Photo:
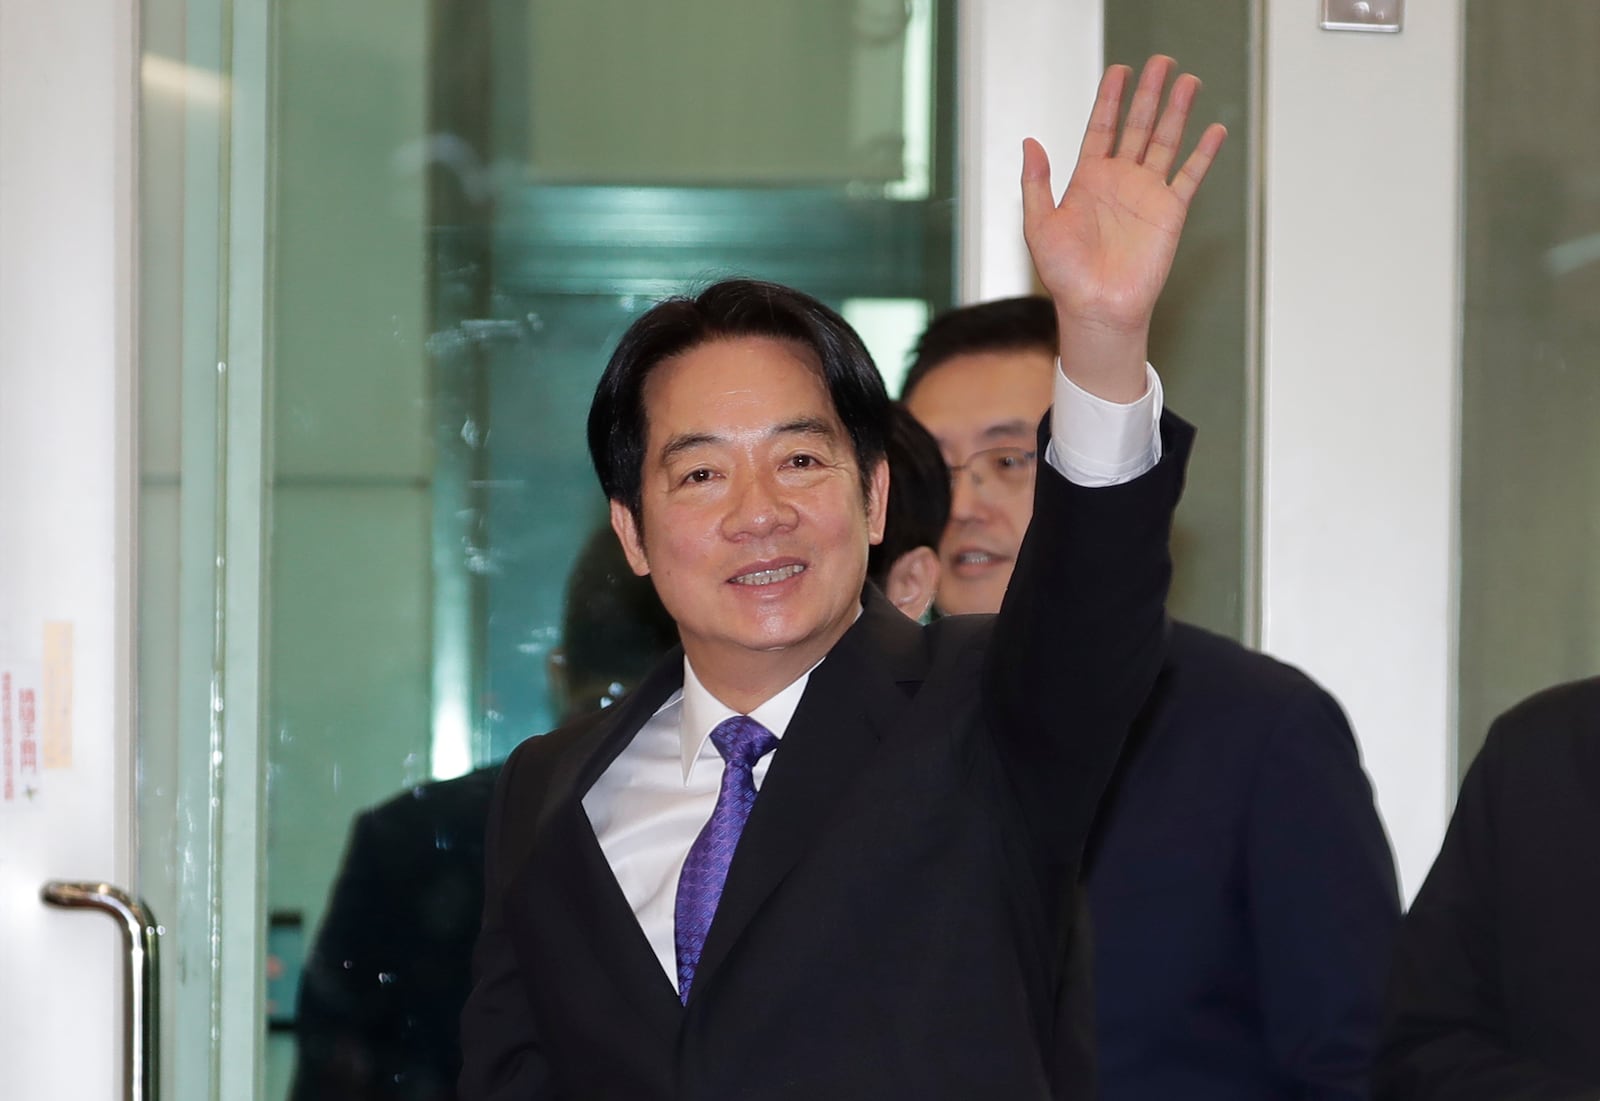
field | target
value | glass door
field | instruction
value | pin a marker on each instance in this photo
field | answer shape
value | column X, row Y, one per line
column 1530, row 363
column 385, row 249
column 201, row 272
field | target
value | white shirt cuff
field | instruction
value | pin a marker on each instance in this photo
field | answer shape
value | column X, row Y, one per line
column 1094, row 442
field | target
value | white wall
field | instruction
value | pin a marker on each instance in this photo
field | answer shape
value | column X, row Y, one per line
column 66, row 248
column 1359, row 390
column 1027, row 68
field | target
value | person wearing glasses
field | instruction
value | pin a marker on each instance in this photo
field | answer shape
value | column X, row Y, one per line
column 1240, row 885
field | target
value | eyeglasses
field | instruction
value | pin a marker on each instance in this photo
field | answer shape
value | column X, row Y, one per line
column 1007, row 469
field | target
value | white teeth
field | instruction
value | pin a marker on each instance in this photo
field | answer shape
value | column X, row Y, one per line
column 769, row 577
column 975, row 558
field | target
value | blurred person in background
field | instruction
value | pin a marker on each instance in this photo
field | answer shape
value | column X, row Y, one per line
column 1495, row 992
column 905, row 566
column 380, row 999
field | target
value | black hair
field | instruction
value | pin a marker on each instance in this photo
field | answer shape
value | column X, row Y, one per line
column 732, row 308
column 919, row 495
column 1004, row 325
column 613, row 625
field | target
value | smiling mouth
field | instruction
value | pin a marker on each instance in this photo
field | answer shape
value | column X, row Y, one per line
column 770, row 577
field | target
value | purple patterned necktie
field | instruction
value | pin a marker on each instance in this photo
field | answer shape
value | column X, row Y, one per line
column 742, row 742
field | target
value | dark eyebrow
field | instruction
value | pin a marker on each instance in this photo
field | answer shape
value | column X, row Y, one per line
column 799, row 426
column 686, row 441
column 805, row 426
column 1008, row 428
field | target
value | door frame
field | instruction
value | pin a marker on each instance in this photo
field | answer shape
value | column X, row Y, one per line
column 204, row 119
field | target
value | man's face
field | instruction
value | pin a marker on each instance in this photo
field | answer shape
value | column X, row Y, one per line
column 752, row 523
column 972, row 403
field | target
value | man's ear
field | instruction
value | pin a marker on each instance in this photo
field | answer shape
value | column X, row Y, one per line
column 632, row 540
column 912, row 581
column 877, row 501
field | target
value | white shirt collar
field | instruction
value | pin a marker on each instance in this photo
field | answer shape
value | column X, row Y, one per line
column 702, row 712
column 699, row 711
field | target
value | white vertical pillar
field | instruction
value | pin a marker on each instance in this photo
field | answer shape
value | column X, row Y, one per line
column 1026, row 68
column 1359, row 387
column 67, row 216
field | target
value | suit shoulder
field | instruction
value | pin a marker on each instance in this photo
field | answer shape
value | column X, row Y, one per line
column 438, row 798
column 534, row 756
column 958, row 631
column 1548, row 728
column 421, row 815
column 1573, row 708
column 1212, row 667
column 519, row 796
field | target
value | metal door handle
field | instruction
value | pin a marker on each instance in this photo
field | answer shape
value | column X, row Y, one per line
column 140, row 1003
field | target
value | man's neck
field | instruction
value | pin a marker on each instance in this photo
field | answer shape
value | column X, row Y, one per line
column 745, row 683
column 744, row 679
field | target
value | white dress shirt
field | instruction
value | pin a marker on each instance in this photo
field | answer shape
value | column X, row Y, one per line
column 652, row 800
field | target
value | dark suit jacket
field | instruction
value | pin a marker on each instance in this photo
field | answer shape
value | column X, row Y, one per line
column 892, row 923
column 1495, row 994
column 381, row 995
column 1242, row 889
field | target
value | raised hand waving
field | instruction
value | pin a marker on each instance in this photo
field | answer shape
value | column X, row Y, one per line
column 1104, row 251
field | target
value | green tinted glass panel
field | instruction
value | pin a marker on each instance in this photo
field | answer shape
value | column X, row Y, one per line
column 1200, row 340
column 1530, row 358
column 470, row 202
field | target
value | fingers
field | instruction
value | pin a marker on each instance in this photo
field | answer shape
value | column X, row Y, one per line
column 1102, row 130
column 1142, row 112
column 1037, row 199
column 1162, row 152
column 1194, row 170
column 1151, row 135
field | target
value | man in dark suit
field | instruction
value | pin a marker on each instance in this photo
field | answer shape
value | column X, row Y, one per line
column 1495, row 994
column 1242, row 891
column 381, row 996
column 380, row 999
column 826, row 852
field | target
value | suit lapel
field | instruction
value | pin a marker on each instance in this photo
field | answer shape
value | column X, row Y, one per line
column 576, row 867
column 851, row 702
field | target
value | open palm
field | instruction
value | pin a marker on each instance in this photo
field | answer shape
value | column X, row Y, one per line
column 1104, row 251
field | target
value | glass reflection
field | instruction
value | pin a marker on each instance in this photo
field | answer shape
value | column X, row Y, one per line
column 1200, row 337
column 1530, row 398
column 390, row 969
column 471, row 201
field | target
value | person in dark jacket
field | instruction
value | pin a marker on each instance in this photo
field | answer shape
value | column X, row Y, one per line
column 379, row 1007
column 826, row 852
column 1495, row 992
column 1241, row 887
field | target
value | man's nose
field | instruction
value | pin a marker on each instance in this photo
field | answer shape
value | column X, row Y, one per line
column 759, row 506
column 966, row 495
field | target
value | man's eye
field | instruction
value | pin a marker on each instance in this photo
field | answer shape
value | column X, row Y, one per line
column 802, row 462
column 697, row 477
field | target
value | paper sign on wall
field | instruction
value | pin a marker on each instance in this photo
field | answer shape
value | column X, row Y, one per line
column 56, row 670
column 35, row 715
column 20, row 778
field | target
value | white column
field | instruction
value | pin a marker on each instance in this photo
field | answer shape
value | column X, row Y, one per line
column 1027, row 68
column 1359, row 387
column 67, row 117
